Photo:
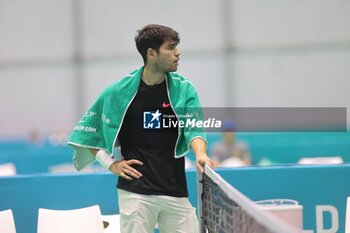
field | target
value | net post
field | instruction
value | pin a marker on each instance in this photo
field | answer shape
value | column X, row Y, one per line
column 199, row 199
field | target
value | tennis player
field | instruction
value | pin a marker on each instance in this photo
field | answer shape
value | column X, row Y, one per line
column 152, row 185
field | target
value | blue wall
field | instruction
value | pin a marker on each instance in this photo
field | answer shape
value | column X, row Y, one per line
column 310, row 185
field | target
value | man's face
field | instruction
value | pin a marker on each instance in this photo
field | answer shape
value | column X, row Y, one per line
column 168, row 57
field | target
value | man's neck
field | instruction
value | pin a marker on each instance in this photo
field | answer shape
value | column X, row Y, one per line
column 152, row 77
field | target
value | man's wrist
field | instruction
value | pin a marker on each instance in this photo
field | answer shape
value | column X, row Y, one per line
column 201, row 154
column 104, row 159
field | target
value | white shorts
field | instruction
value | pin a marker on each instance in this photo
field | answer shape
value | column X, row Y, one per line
column 140, row 213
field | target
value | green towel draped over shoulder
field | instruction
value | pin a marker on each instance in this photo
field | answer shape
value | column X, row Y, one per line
column 100, row 125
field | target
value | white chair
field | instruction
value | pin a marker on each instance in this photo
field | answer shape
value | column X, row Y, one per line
column 70, row 168
column 7, row 223
column 321, row 160
column 84, row 220
column 347, row 216
column 232, row 162
column 7, row 169
column 113, row 223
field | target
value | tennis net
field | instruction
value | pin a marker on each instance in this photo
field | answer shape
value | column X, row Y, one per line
column 223, row 209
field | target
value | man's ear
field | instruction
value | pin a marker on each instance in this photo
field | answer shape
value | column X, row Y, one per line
column 151, row 54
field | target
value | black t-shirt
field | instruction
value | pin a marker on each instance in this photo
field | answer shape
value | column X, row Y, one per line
column 162, row 174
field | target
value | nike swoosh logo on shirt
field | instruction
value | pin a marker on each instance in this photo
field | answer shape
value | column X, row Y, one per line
column 165, row 105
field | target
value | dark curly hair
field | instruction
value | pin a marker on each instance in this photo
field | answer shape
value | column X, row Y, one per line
column 153, row 36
